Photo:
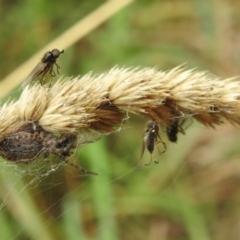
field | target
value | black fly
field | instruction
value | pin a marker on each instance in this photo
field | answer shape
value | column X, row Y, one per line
column 174, row 128
column 46, row 65
column 172, row 131
column 151, row 138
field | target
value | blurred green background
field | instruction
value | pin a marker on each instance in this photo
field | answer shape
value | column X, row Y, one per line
column 193, row 193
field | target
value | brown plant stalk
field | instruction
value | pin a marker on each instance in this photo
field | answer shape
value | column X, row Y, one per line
column 99, row 102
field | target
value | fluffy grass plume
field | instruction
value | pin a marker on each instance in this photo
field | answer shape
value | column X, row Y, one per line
column 100, row 102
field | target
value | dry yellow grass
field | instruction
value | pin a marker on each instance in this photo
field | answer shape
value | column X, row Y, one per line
column 100, row 102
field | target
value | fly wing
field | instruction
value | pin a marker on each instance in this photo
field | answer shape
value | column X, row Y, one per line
column 39, row 69
column 143, row 149
column 88, row 137
column 145, row 143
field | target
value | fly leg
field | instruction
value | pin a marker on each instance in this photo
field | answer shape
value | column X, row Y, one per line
column 44, row 73
column 58, row 67
column 81, row 169
column 161, row 152
column 147, row 164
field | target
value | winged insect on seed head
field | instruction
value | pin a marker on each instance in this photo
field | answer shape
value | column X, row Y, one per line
column 152, row 138
column 172, row 131
column 174, row 128
column 44, row 66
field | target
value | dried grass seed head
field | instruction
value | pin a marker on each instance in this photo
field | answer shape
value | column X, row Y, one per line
column 98, row 101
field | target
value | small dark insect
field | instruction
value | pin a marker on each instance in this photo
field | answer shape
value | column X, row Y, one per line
column 152, row 138
column 172, row 131
column 174, row 128
column 46, row 65
column 31, row 140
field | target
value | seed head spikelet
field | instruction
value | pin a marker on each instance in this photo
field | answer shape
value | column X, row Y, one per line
column 32, row 103
column 8, row 119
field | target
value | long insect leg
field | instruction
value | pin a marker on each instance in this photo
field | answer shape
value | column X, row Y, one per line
column 181, row 129
column 159, row 140
column 51, row 72
column 160, row 153
column 81, row 169
column 157, row 161
column 147, row 164
column 58, row 67
column 25, row 161
column 165, row 147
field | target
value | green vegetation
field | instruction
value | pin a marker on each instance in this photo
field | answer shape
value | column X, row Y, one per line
column 193, row 193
